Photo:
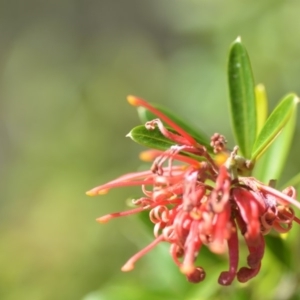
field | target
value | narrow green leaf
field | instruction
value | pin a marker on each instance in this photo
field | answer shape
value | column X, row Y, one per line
column 277, row 152
column 155, row 140
column 145, row 116
column 242, row 98
column 261, row 107
column 274, row 124
column 150, row 138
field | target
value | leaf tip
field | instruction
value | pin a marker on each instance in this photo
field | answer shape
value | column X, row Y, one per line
column 238, row 39
column 129, row 135
column 295, row 98
column 260, row 87
column 140, row 109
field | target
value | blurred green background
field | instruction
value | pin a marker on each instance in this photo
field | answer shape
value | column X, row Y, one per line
column 66, row 68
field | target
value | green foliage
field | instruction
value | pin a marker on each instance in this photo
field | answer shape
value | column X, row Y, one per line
column 256, row 134
column 152, row 139
column 274, row 124
column 261, row 106
column 278, row 152
column 145, row 116
column 242, row 97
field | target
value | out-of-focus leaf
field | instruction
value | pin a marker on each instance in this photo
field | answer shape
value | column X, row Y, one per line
column 274, row 124
column 209, row 288
column 242, row 97
column 144, row 217
column 278, row 247
column 295, row 181
column 128, row 291
column 277, row 152
column 145, row 116
column 261, row 107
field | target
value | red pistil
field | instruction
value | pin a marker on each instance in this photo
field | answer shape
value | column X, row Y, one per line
column 129, row 265
column 245, row 274
column 227, row 277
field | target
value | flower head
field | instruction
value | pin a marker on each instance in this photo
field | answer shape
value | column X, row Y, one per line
column 203, row 200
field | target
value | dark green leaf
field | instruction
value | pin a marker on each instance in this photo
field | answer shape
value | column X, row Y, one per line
column 155, row 140
column 242, row 98
column 144, row 217
column 150, row 138
column 145, row 116
column 274, row 124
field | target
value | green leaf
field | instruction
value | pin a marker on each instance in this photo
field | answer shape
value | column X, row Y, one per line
column 144, row 218
column 294, row 181
column 261, row 107
column 128, row 291
column 278, row 247
column 277, row 152
column 150, row 138
column 145, row 116
column 155, row 140
column 274, row 124
column 242, row 98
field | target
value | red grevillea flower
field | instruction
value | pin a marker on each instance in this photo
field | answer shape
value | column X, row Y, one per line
column 205, row 202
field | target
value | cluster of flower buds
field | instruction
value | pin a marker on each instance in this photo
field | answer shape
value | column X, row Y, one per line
column 204, row 199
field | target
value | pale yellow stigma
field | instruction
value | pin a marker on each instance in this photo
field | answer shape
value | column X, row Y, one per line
column 146, row 156
column 95, row 192
column 104, row 219
column 127, row 267
column 103, row 192
column 91, row 193
column 187, row 269
column 221, row 158
column 132, row 100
